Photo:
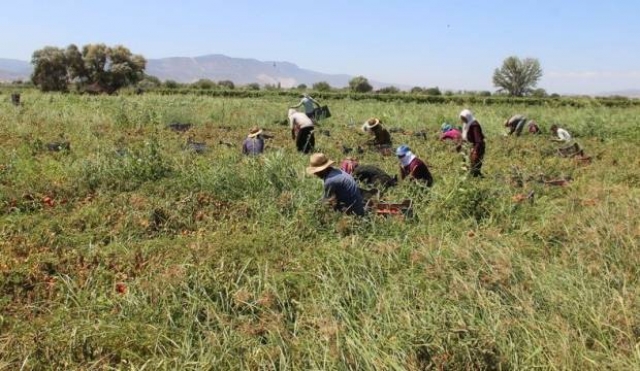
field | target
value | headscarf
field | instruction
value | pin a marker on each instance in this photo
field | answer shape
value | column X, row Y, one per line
column 406, row 160
column 445, row 127
column 348, row 165
column 407, row 155
column 468, row 115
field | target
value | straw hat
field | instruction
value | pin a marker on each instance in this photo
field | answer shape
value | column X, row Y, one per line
column 370, row 124
column 317, row 163
column 254, row 132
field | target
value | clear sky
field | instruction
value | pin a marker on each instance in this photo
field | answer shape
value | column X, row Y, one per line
column 585, row 47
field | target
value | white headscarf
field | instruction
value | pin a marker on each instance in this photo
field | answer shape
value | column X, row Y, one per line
column 468, row 115
column 406, row 160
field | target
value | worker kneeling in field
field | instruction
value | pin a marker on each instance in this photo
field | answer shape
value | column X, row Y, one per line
column 253, row 145
column 448, row 132
column 302, row 131
column 517, row 123
column 472, row 133
column 368, row 174
column 340, row 189
column 412, row 167
column 571, row 148
column 381, row 137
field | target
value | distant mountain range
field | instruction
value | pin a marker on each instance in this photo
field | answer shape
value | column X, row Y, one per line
column 13, row 69
column 215, row 67
column 630, row 93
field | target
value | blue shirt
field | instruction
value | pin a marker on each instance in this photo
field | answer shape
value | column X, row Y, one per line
column 253, row 146
column 342, row 185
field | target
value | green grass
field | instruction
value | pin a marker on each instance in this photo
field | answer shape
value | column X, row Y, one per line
column 157, row 258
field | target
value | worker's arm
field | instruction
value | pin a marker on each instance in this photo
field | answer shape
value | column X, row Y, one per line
column 296, row 106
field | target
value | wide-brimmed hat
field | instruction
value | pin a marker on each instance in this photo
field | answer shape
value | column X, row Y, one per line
column 254, row 132
column 403, row 150
column 317, row 163
column 370, row 124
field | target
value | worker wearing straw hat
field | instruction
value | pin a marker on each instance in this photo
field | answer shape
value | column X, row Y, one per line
column 340, row 189
column 381, row 136
column 253, row 145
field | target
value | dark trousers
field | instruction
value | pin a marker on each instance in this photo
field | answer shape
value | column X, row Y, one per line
column 305, row 140
column 476, row 161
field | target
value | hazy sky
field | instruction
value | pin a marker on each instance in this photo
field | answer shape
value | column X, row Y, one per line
column 584, row 46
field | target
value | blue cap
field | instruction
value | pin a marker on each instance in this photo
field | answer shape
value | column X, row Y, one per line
column 402, row 150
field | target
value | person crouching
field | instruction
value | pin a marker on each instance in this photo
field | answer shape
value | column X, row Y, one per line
column 412, row 167
column 340, row 189
column 253, row 145
column 381, row 137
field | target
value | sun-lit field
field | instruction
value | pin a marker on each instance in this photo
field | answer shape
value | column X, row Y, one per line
column 130, row 251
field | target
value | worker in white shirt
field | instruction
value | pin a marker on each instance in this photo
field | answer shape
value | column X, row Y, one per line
column 302, row 131
column 561, row 134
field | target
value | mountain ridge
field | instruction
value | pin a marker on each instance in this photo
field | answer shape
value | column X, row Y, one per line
column 216, row 67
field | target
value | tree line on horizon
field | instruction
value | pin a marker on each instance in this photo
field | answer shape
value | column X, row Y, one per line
column 98, row 68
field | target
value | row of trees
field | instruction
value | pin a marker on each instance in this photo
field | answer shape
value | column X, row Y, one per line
column 95, row 68
column 100, row 68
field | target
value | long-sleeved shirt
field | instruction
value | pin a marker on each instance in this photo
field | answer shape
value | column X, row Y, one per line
column 308, row 103
column 516, row 124
column 381, row 138
column 344, row 188
column 299, row 120
column 475, row 136
column 453, row 134
column 253, row 146
column 417, row 170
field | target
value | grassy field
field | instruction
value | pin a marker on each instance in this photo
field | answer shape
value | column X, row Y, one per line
column 130, row 252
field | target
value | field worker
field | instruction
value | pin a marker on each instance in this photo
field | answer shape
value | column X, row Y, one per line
column 412, row 167
column 302, row 131
column 448, row 132
column 309, row 106
column 340, row 189
column 349, row 164
column 561, row 134
column 533, row 127
column 516, row 124
column 253, row 145
column 368, row 174
column 472, row 133
column 381, row 137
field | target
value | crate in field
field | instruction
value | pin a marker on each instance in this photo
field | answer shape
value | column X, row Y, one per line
column 570, row 151
column 402, row 209
column 322, row 113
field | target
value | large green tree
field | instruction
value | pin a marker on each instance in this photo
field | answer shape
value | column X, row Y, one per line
column 517, row 76
column 97, row 67
column 50, row 69
column 360, row 84
column 321, row 86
